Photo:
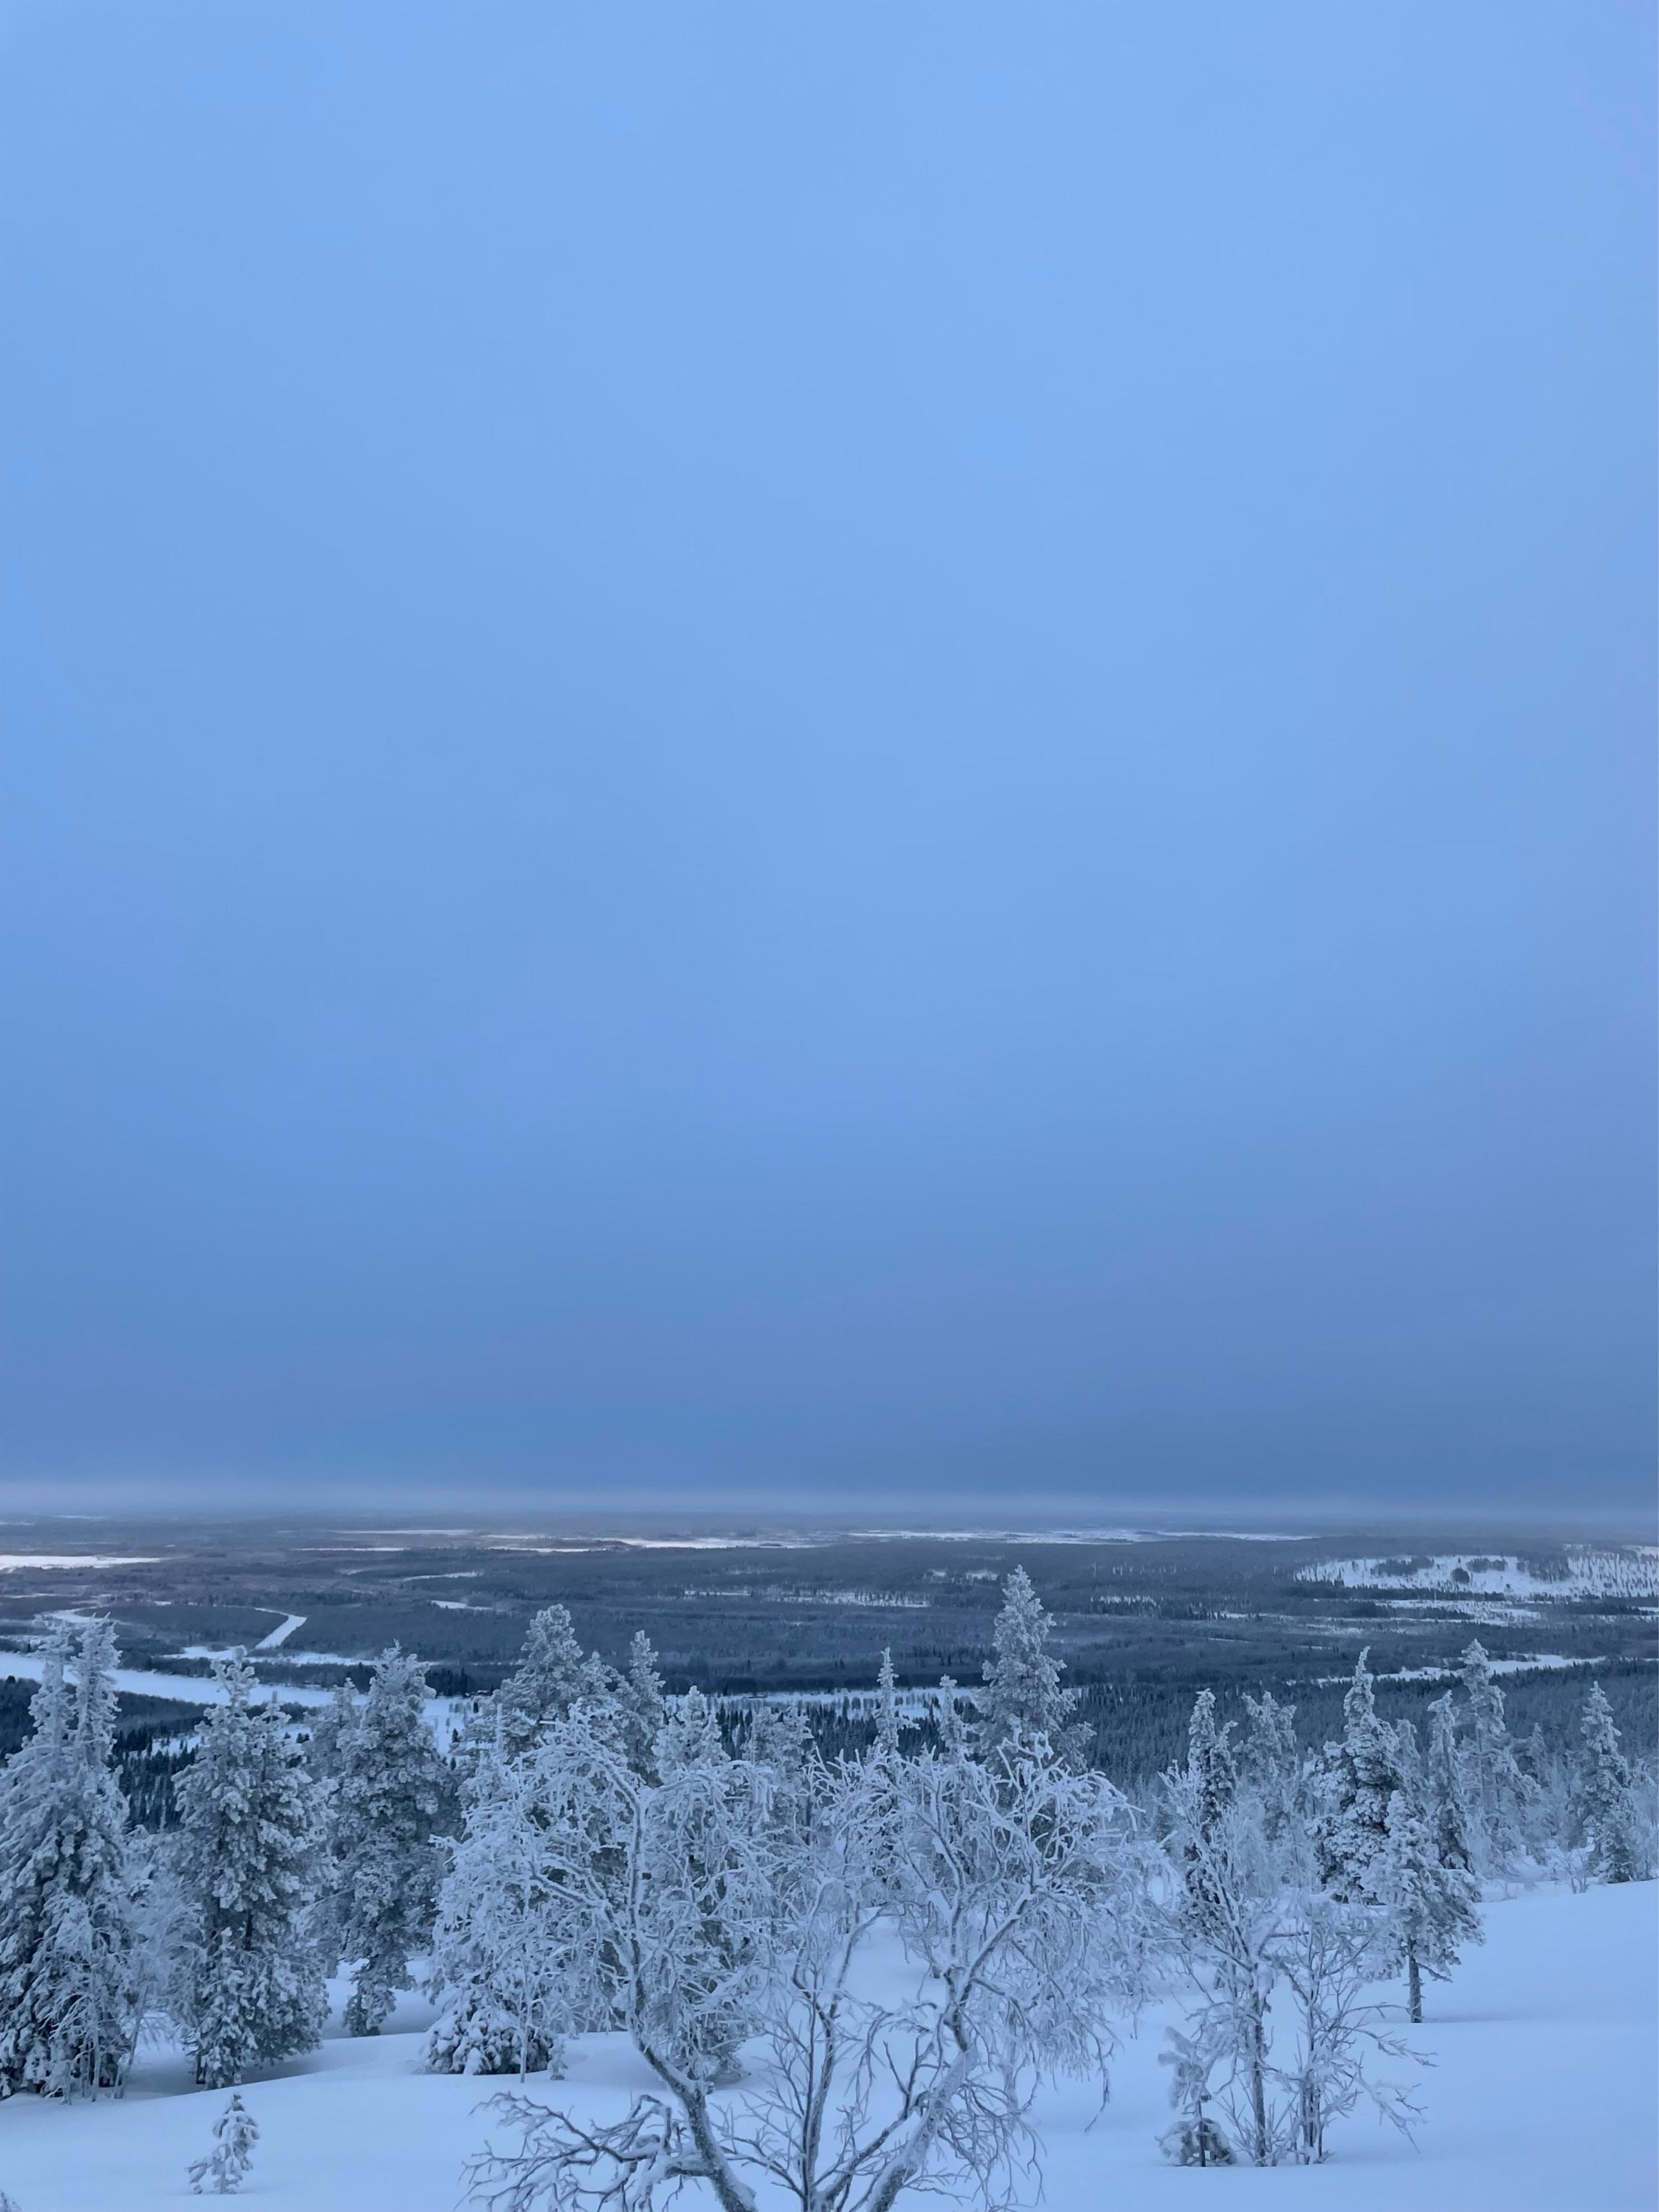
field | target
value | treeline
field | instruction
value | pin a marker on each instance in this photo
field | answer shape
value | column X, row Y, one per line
column 593, row 1853
column 1137, row 1725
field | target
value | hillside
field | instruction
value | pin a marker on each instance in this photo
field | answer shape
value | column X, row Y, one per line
column 1540, row 2100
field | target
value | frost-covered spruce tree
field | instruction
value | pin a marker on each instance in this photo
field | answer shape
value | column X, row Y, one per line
column 690, row 1736
column 1212, row 1787
column 496, row 1968
column 1430, row 1904
column 1022, row 1694
column 1270, row 1764
column 954, row 1729
column 1443, row 1804
column 1356, row 1778
column 781, row 1743
column 640, row 1707
column 1211, row 1765
column 889, row 1723
column 68, row 1974
column 1499, row 1798
column 885, row 1796
column 779, row 1737
column 701, row 1780
column 225, row 2167
column 329, row 1731
column 551, row 1677
column 249, row 1858
column 388, row 1799
column 1606, row 1806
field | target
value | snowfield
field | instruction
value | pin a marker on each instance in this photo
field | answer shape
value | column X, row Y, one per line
column 1632, row 1571
column 1543, row 2098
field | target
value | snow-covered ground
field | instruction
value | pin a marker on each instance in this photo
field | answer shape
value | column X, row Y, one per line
column 15, row 1562
column 1528, row 1662
column 1626, row 1571
column 281, row 1635
column 1543, row 2098
column 141, row 1682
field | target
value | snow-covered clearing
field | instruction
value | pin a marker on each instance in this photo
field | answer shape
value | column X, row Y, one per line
column 139, row 1682
column 1630, row 1570
column 281, row 1635
column 1543, row 2099
column 11, row 1562
column 1528, row 1662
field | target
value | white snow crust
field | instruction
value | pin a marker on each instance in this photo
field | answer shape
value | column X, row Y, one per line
column 1543, row 2098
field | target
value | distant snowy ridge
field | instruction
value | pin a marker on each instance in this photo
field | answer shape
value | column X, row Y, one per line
column 1628, row 1570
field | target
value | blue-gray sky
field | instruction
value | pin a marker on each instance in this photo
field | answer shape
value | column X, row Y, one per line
column 849, row 753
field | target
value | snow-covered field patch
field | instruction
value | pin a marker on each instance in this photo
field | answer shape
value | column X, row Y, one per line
column 885, row 1601
column 281, row 1635
column 1542, row 2098
column 1527, row 1662
column 1628, row 1571
column 140, row 1682
column 13, row 1562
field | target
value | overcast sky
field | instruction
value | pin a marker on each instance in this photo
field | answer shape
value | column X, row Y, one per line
column 855, row 753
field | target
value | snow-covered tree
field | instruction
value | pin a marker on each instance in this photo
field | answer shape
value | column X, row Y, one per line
column 224, row 2169
column 162, row 1923
column 1606, row 1805
column 495, row 1968
column 250, row 1849
column 1228, row 1918
column 1430, row 1903
column 1013, row 1919
column 551, row 1678
column 883, row 1796
column 954, row 1731
column 388, row 1799
column 640, row 1705
column 781, row 1743
column 1212, row 1786
column 1330, row 1956
column 1211, row 1765
column 1356, row 1779
column 324, row 1749
column 68, row 1974
column 889, row 1723
column 779, row 1737
column 707, row 1798
column 1444, row 1803
column 1195, row 2139
column 1279, row 2038
column 1499, row 1798
column 328, row 1734
column 329, row 1731
column 690, row 1736
column 1270, row 1764
column 1022, row 1694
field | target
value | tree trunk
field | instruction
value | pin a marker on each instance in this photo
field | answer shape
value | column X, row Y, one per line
column 1259, row 2083
column 1414, row 1981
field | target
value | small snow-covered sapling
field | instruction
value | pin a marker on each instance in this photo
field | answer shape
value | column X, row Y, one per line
column 222, row 2170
